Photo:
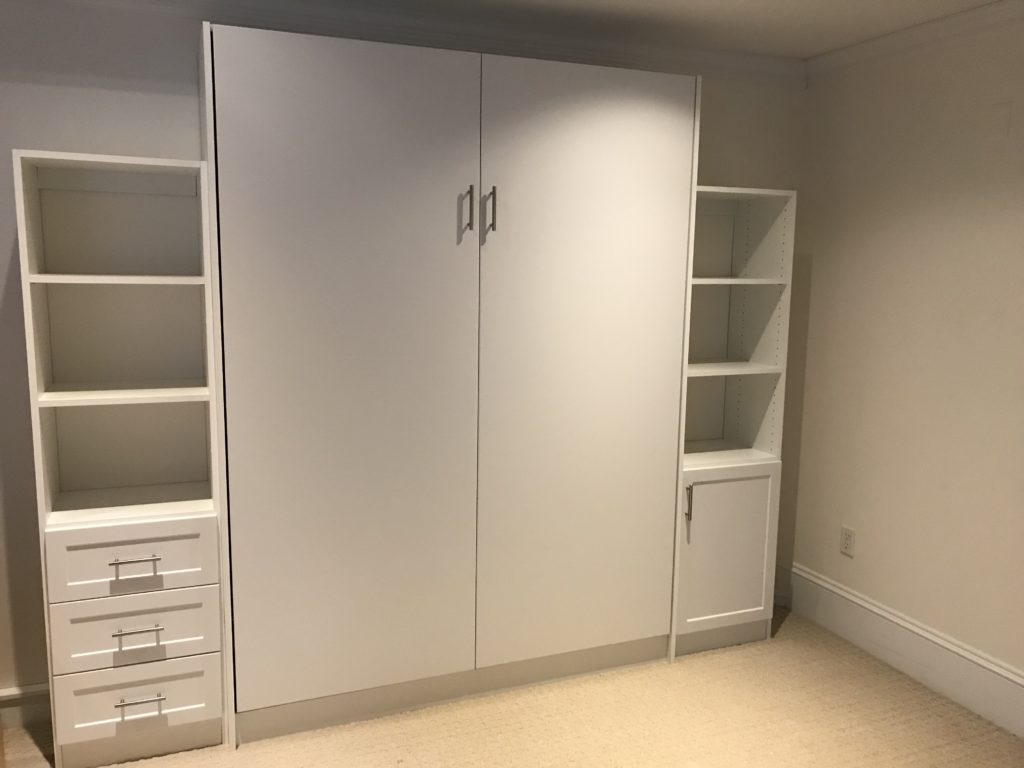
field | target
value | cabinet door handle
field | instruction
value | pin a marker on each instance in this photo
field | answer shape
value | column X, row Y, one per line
column 471, row 196
column 134, row 560
column 494, row 210
column 139, row 631
column 151, row 700
column 689, row 502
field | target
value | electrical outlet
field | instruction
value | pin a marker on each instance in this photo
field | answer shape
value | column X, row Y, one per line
column 847, row 538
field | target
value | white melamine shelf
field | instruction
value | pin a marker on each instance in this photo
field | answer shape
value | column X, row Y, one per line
column 117, row 279
column 739, row 281
column 88, row 395
column 108, row 506
column 706, row 454
column 695, row 370
column 741, row 193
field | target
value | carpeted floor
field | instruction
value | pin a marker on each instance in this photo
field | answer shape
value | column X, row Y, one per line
column 807, row 698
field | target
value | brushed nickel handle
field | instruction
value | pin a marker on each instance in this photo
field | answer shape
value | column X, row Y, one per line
column 139, row 631
column 151, row 700
column 689, row 502
column 133, row 560
column 471, row 196
column 493, row 226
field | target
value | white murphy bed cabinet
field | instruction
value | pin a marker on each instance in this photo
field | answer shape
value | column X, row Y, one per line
column 118, row 305
column 459, row 319
column 406, row 235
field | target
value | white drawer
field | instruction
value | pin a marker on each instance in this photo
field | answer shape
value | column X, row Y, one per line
column 143, row 556
column 117, row 631
column 141, row 698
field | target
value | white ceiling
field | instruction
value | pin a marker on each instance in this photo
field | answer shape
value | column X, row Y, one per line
column 793, row 28
column 798, row 29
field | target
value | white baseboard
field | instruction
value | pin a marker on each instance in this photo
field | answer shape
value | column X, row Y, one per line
column 975, row 680
column 26, row 704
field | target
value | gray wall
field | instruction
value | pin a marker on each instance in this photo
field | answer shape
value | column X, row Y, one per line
column 105, row 78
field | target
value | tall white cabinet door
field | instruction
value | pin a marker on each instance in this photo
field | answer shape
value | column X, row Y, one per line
column 350, row 301
column 582, row 301
column 727, row 547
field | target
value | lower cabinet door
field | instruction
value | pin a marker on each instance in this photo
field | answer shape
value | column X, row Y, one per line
column 727, row 547
column 148, row 698
column 118, row 631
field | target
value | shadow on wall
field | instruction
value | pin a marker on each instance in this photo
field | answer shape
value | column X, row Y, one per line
column 796, row 374
column 19, row 533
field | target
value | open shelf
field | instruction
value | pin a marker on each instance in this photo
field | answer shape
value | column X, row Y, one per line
column 743, row 234
column 117, row 279
column 140, row 394
column 705, row 454
column 99, row 337
column 730, row 368
column 112, row 218
column 739, row 281
column 125, row 456
column 106, row 506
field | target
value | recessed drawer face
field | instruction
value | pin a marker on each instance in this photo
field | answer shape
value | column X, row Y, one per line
column 102, row 561
column 118, row 631
column 137, row 699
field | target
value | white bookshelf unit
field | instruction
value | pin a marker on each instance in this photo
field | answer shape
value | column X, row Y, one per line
column 735, row 349
column 738, row 321
column 119, row 331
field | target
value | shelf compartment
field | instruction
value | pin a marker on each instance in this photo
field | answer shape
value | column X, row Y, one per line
column 123, row 337
column 743, row 233
column 98, row 457
column 734, row 413
column 70, row 396
column 739, row 322
column 116, row 218
column 730, row 368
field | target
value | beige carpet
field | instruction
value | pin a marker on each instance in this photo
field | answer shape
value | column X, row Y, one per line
column 807, row 698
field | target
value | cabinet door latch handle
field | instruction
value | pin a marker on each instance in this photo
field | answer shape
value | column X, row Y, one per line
column 471, row 196
column 689, row 502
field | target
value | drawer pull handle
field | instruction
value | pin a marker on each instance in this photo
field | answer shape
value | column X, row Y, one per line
column 133, row 560
column 151, row 700
column 139, row 631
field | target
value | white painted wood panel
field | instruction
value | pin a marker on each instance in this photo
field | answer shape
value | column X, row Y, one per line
column 727, row 547
column 120, row 702
column 130, row 557
column 350, row 302
column 131, row 629
column 582, row 302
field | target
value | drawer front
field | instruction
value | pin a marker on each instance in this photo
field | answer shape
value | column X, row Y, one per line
column 103, row 561
column 131, row 700
column 117, row 631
